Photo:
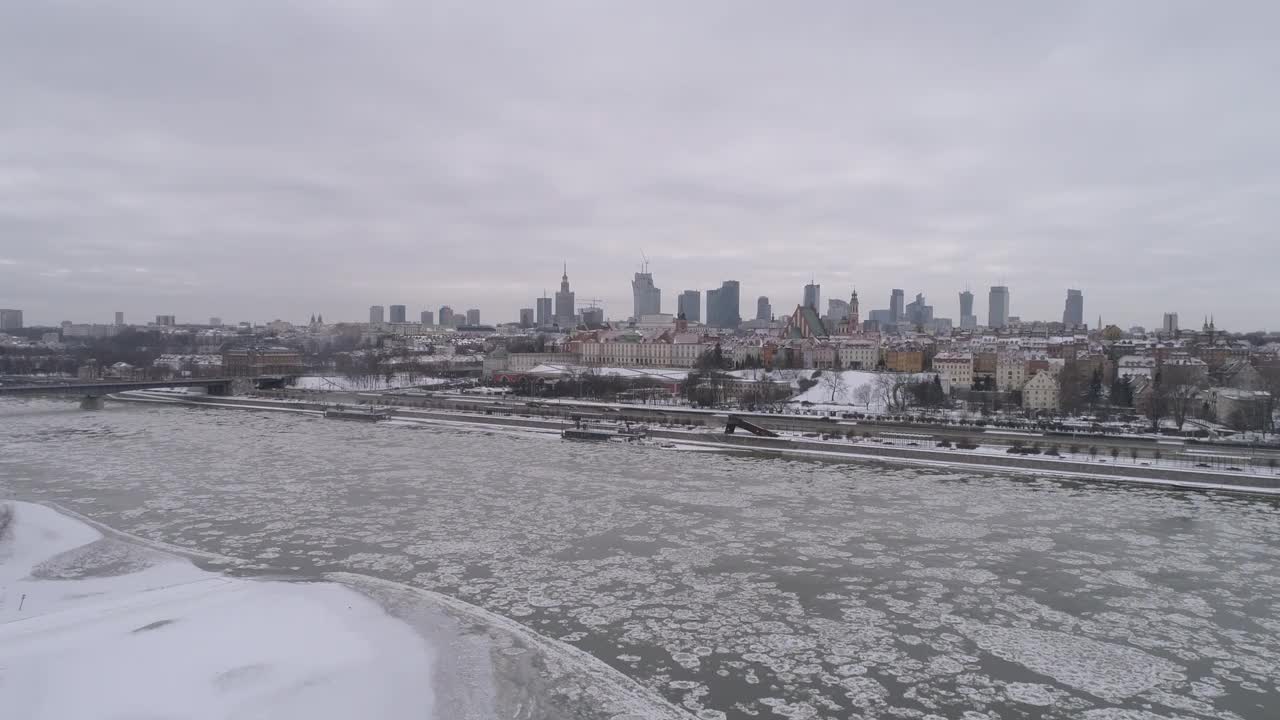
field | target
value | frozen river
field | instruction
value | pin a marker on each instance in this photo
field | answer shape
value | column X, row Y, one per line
column 733, row 587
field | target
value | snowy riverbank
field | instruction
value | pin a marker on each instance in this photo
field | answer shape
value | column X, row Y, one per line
column 91, row 626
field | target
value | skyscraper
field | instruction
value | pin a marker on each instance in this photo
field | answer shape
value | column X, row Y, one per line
column 689, row 304
column 764, row 311
column 1073, row 313
column 119, row 318
column 896, row 299
column 812, row 295
column 427, row 318
column 918, row 313
column 837, row 310
column 966, row 304
column 397, row 314
column 473, row 317
column 544, row 313
column 998, row 307
column 1170, row 324
column 375, row 313
column 446, row 316
column 10, row 319
column 564, row 302
column 722, row 306
column 526, row 317
column 647, row 298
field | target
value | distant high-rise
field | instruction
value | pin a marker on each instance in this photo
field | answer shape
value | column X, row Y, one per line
column 968, row 321
column 544, row 313
column 564, row 302
column 526, row 317
column 812, row 295
column 722, row 306
column 397, row 314
column 837, row 310
column 166, row 320
column 998, row 307
column 119, row 318
column 918, row 312
column 215, row 321
column 427, row 318
column 764, row 311
column 10, row 319
column 1073, row 313
column 1170, row 325
column 375, row 314
column 446, row 316
column 689, row 304
column 593, row 317
column 896, row 307
column 473, row 317
column 647, row 298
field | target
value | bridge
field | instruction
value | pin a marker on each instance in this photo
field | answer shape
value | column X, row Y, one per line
column 92, row 392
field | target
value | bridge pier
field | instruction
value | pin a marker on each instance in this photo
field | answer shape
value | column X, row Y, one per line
column 92, row 402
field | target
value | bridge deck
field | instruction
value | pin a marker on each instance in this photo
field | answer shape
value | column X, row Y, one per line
column 105, row 388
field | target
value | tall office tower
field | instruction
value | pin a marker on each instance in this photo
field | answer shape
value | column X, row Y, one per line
column 647, row 298
column 998, row 307
column 1170, row 324
column 375, row 314
column 473, row 317
column 722, row 306
column 446, row 316
column 689, row 304
column 215, row 321
column 167, row 320
column 1073, row 313
column 427, row 318
column 764, row 311
column 896, row 307
column 10, row 319
column 837, row 310
column 966, row 303
column 526, row 317
column 565, row 316
column 545, row 316
column 119, row 318
column 919, row 313
column 812, row 295
column 397, row 313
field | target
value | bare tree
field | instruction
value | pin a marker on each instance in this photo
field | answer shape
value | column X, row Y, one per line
column 862, row 394
column 1179, row 387
column 894, row 390
column 833, row 381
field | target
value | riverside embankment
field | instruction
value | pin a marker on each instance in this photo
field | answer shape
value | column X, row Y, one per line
column 708, row 434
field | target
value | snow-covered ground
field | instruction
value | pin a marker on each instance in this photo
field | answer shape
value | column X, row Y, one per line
column 339, row 383
column 856, row 388
column 94, row 627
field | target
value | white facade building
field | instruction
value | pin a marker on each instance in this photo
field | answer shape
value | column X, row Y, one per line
column 955, row 368
column 1041, row 392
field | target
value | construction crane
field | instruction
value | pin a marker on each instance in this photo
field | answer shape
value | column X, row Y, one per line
column 644, row 267
column 593, row 302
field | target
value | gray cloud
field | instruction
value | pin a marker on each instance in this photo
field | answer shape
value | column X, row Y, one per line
column 262, row 159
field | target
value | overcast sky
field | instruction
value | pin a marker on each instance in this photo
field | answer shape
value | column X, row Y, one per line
column 253, row 159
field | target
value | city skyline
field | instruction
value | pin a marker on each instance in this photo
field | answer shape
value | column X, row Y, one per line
column 1031, row 164
column 401, row 312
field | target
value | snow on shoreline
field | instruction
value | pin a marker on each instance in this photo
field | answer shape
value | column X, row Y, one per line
column 95, row 624
column 91, row 626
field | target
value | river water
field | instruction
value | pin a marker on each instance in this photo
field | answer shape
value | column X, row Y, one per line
column 733, row 587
